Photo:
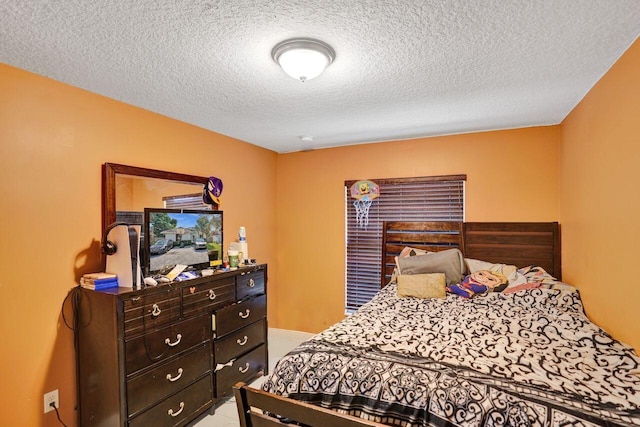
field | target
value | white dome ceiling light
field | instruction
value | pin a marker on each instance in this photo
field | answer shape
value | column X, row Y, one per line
column 303, row 58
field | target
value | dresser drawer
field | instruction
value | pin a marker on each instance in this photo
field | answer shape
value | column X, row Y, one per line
column 159, row 345
column 250, row 283
column 207, row 296
column 176, row 409
column 236, row 343
column 242, row 369
column 236, row 316
column 151, row 310
column 152, row 386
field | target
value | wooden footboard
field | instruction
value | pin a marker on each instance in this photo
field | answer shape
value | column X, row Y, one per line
column 252, row 403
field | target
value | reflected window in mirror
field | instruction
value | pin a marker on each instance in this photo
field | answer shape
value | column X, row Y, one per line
column 185, row 201
column 134, row 193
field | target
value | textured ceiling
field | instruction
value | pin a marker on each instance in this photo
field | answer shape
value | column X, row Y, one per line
column 403, row 68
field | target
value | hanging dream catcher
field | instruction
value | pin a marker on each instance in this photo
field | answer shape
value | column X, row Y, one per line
column 364, row 192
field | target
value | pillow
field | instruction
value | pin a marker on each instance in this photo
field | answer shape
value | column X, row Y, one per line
column 480, row 282
column 537, row 274
column 514, row 276
column 430, row 285
column 450, row 262
column 409, row 251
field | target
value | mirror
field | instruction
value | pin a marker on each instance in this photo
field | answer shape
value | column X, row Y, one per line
column 127, row 190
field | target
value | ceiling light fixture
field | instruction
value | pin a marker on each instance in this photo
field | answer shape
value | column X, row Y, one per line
column 303, row 58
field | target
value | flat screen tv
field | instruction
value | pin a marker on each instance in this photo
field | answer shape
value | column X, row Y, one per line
column 180, row 236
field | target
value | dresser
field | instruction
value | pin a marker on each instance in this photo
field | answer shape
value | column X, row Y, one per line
column 164, row 355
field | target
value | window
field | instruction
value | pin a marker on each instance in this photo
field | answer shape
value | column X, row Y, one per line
column 439, row 198
column 185, row 201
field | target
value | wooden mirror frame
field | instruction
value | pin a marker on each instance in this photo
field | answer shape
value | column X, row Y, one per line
column 109, row 172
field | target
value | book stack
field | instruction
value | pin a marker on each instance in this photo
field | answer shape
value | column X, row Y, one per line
column 99, row 281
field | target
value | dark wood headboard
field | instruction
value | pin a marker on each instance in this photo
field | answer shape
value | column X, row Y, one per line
column 517, row 243
column 432, row 236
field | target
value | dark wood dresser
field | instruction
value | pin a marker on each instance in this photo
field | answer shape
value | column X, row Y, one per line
column 164, row 355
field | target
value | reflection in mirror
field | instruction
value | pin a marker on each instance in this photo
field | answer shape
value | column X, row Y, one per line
column 134, row 193
column 142, row 187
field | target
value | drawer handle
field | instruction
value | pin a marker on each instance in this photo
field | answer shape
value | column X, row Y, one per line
column 177, row 377
column 175, row 343
column 246, row 314
column 221, row 366
column 156, row 310
column 212, row 295
column 175, row 414
column 251, row 283
column 242, row 341
column 246, row 368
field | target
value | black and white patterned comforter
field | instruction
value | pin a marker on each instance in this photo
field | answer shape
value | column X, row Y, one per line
column 530, row 358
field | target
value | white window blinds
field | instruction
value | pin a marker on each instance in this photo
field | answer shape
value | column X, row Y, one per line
column 438, row 198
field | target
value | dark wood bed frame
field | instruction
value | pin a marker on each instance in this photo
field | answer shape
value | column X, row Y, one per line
column 516, row 243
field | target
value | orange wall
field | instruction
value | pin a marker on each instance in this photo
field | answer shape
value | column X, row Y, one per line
column 511, row 176
column 53, row 140
column 600, row 201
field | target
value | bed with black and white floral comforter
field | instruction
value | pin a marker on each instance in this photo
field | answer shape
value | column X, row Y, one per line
column 530, row 358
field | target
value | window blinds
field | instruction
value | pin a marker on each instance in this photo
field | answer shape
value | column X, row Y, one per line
column 438, row 198
column 185, row 201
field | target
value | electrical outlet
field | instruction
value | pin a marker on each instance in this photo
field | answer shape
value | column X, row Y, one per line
column 49, row 398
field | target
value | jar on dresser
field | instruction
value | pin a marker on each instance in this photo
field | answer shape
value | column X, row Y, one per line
column 164, row 355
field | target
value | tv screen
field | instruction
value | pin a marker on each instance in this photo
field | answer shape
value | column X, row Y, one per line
column 180, row 236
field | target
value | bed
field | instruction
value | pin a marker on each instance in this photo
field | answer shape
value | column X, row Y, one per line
column 526, row 356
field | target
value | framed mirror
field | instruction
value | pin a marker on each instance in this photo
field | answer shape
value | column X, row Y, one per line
column 127, row 190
